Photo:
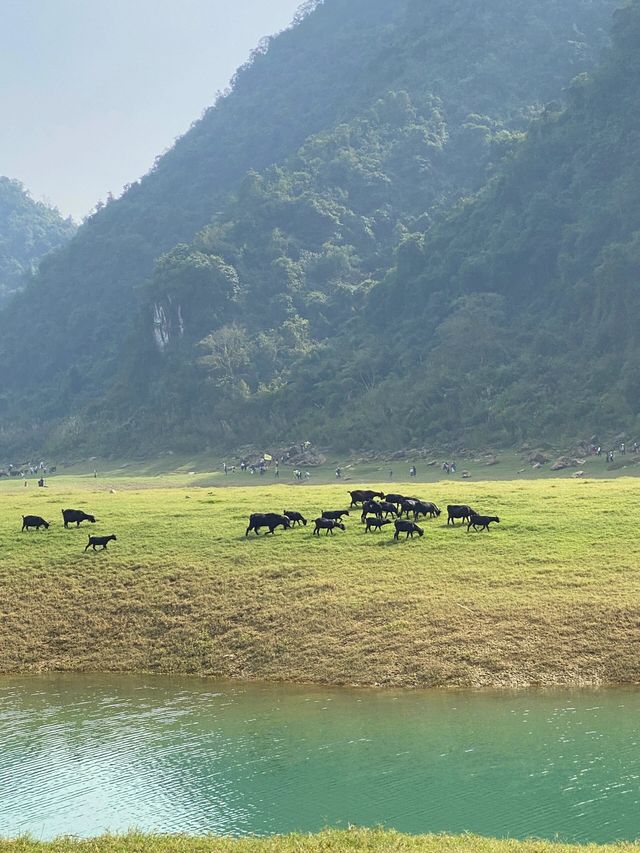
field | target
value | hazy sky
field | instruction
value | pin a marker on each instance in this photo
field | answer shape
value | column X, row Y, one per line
column 92, row 90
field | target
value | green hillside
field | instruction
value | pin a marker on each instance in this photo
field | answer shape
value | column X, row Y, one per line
column 511, row 318
column 355, row 130
column 515, row 317
column 28, row 230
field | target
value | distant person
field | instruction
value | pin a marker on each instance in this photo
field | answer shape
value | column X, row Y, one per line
column 445, row 467
column 635, row 446
column 41, row 482
column 412, row 471
column 225, row 469
column 338, row 473
column 623, row 449
column 390, row 474
column 276, row 471
column 95, row 473
column 453, row 467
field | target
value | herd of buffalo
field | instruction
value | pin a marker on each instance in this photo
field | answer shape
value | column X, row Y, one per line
column 70, row 516
column 376, row 509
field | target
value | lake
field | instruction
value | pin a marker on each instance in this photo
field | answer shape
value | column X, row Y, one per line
column 85, row 754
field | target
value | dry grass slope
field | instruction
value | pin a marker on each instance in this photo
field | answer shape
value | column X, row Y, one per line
column 549, row 596
column 330, row 840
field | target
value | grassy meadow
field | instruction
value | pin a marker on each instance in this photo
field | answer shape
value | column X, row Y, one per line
column 550, row 596
column 330, row 840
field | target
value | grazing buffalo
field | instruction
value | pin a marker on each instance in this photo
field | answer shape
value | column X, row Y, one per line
column 267, row 519
column 295, row 517
column 371, row 508
column 328, row 524
column 77, row 515
column 408, row 527
column 425, row 508
column 34, row 521
column 482, row 522
column 375, row 523
column 359, row 496
column 459, row 511
column 395, row 499
column 388, row 508
column 335, row 514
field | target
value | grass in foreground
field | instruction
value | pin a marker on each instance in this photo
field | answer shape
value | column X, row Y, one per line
column 549, row 596
column 330, row 840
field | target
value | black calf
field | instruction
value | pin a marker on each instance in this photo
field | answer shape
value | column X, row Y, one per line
column 327, row 524
column 375, row 523
column 408, row 527
column 100, row 540
column 482, row 522
column 295, row 517
column 335, row 514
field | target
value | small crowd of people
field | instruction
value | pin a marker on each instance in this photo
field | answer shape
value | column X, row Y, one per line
column 596, row 450
column 265, row 465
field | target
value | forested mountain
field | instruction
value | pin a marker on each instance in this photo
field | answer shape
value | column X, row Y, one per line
column 28, row 230
column 345, row 141
column 516, row 316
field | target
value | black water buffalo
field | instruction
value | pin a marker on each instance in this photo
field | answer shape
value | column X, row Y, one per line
column 459, row 511
column 388, row 508
column 34, row 521
column 408, row 506
column 425, row 508
column 100, row 540
column 375, row 523
column 371, row 508
column 295, row 517
column 335, row 514
column 267, row 519
column 395, row 499
column 482, row 522
column 359, row 496
column 408, row 527
column 77, row 515
column 328, row 524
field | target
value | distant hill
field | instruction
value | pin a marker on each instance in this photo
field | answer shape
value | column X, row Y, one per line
column 266, row 239
column 28, row 230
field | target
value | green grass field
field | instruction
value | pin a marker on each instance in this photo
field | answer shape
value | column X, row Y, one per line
column 331, row 840
column 549, row 596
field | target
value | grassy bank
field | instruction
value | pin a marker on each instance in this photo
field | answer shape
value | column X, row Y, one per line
column 549, row 596
column 331, row 840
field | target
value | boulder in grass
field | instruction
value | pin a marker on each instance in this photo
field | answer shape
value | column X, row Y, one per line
column 539, row 458
column 563, row 462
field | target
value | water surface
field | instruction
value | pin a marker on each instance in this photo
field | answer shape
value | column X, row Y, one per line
column 85, row 754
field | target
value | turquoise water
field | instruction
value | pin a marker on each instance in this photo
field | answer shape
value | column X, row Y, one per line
column 85, row 754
